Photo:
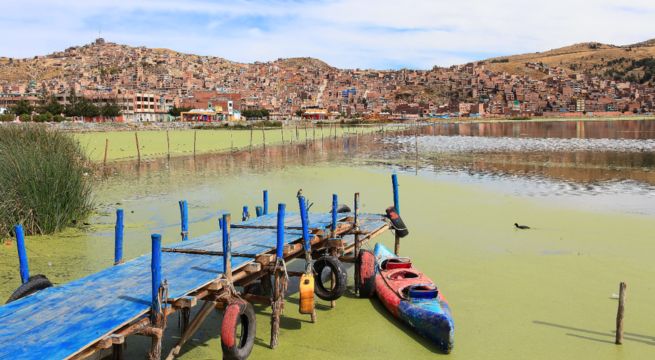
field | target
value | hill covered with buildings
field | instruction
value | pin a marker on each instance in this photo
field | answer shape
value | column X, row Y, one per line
column 146, row 83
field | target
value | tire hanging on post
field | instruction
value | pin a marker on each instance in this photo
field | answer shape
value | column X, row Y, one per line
column 340, row 279
column 238, row 346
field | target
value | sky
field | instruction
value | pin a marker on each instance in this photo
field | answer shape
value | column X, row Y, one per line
column 377, row 34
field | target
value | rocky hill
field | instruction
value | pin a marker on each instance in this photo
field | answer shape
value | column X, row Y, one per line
column 602, row 60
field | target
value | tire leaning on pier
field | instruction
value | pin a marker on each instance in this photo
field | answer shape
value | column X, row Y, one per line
column 366, row 268
column 34, row 284
column 339, row 286
column 238, row 345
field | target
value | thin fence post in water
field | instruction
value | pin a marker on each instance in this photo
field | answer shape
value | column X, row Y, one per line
column 227, row 248
column 168, row 146
column 231, row 140
column 265, row 208
column 306, row 137
column 313, row 133
column 118, row 238
column 282, row 132
column 264, row 137
column 251, row 138
column 22, row 254
column 184, row 217
column 619, row 314
column 297, row 136
column 104, row 160
column 138, row 149
column 259, row 211
column 195, row 132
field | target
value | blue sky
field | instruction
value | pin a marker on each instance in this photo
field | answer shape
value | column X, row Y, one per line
column 349, row 34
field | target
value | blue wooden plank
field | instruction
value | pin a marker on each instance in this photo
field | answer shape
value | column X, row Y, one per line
column 60, row 321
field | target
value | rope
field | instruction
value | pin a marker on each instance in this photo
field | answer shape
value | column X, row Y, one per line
column 162, row 296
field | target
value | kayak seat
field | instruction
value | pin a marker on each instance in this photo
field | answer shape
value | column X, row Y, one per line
column 401, row 274
column 422, row 291
column 397, row 263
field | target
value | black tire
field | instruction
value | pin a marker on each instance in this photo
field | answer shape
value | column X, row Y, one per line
column 335, row 266
column 366, row 271
column 237, row 346
column 34, row 284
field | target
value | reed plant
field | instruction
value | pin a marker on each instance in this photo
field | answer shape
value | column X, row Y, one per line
column 44, row 182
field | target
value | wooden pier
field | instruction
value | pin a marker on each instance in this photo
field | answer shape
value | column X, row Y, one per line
column 96, row 313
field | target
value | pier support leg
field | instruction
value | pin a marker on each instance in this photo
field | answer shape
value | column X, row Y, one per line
column 280, row 279
column 619, row 315
column 357, row 244
column 117, row 352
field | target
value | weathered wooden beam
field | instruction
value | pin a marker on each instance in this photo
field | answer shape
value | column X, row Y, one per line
column 252, row 267
column 265, row 259
column 205, row 252
column 185, row 302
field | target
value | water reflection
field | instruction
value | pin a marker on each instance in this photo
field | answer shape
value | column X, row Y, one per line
column 576, row 162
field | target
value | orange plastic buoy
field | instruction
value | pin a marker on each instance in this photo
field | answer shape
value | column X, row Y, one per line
column 306, row 294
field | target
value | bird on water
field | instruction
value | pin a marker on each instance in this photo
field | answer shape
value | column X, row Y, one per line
column 522, row 227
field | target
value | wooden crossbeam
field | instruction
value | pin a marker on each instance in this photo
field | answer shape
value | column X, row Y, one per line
column 206, row 252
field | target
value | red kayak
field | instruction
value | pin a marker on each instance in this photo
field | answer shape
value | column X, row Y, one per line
column 408, row 294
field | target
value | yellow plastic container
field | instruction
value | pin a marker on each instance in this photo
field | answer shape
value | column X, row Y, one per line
column 306, row 294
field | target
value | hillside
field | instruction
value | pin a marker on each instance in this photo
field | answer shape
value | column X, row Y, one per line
column 594, row 58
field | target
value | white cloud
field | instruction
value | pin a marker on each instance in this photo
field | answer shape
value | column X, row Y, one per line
column 363, row 33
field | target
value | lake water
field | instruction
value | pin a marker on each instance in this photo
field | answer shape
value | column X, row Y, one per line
column 586, row 189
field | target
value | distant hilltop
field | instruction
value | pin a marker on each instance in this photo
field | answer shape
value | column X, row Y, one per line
column 583, row 78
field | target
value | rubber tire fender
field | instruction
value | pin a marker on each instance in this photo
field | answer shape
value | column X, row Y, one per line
column 235, row 347
column 366, row 268
column 335, row 266
column 34, row 284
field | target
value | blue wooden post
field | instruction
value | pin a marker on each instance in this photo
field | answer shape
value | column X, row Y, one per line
column 22, row 254
column 259, row 211
column 118, row 238
column 265, row 210
column 396, row 198
column 245, row 215
column 155, row 268
column 184, row 214
column 280, row 230
column 335, row 205
column 305, row 222
column 220, row 223
column 227, row 247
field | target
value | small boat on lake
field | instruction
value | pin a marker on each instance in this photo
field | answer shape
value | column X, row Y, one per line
column 408, row 294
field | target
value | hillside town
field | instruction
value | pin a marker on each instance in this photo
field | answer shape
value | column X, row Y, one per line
column 148, row 84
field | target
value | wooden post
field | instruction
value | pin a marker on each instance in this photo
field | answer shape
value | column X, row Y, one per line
column 279, row 285
column 357, row 244
column 282, row 132
column 265, row 208
column 306, row 137
column 313, row 133
column 297, row 136
column 138, row 149
column 22, row 254
column 156, row 315
column 307, row 246
column 195, row 132
column 168, row 146
column 396, row 205
column 279, row 250
column 251, row 138
column 335, row 205
column 619, row 314
column 104, row 160
column 231, row 140
column 259, row 211
column 184, row 219
column 264, row 137
column 227, row 248
column 118, row 238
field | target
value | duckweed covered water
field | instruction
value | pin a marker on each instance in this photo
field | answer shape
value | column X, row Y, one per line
column 545, row 293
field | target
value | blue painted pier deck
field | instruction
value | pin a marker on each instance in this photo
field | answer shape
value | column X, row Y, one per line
column 76, row 319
